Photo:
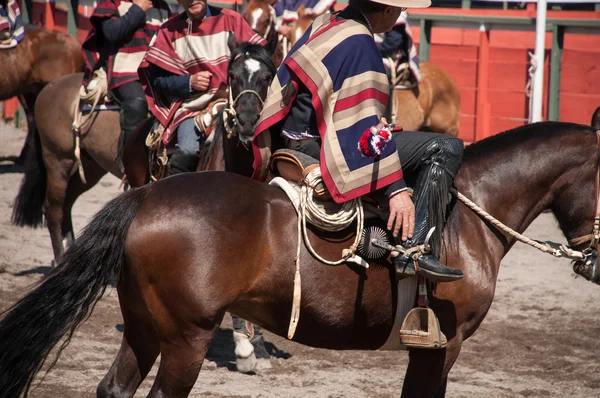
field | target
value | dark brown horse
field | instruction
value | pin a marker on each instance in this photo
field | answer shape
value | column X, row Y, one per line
column 52, row 184
column 596, row 119
column 188, row 248
column 42, row 56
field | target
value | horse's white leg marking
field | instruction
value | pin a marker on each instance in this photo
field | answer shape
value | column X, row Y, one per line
column 244, row 353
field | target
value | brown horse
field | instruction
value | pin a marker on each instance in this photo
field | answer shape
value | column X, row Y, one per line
column 432, row 106
column 41, row 57
column 260, row 15
column 52, row 184
column 596, row 119
column 188, row 248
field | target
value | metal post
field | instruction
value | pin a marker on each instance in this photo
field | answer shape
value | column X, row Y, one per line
column 425, row 40
column 558, row 35
column 72, row 11
column 538, row 77
column 466, row 4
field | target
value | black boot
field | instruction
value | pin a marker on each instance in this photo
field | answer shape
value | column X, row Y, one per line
column 182, row 162
column 133, row 112
column 432, row 195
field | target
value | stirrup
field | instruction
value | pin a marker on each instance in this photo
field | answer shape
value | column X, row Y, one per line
column 421, row 329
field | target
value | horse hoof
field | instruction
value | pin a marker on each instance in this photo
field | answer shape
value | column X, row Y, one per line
column 263, row 364
column 246, row 365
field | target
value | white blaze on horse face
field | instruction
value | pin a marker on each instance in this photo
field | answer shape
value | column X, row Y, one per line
column 256, row 14
column 253, row 66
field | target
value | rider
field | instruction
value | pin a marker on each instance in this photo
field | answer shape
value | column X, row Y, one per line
column 120, row 35
column 186, row 68
column 286, row 11
column 325, row 102
column 397, row 48
column 11, row 24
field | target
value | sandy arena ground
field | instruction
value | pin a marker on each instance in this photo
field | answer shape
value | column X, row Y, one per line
column 541, row 337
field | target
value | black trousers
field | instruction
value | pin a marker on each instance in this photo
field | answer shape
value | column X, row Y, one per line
column 129, row 91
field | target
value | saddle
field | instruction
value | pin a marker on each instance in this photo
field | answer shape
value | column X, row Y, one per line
column 420, row 327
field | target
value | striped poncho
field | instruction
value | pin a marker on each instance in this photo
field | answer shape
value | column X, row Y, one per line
column 121, row 61
column 183, row 47
column 10, row 19
column 338, row 61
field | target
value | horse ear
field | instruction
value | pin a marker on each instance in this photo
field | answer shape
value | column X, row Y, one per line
column 232, row 42
column 301, row 11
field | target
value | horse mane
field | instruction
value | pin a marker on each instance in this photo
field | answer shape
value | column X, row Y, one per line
column 517, row 136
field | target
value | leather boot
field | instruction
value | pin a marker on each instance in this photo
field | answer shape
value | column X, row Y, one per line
column 133, row 112
column 182, row 162
column 432, row 195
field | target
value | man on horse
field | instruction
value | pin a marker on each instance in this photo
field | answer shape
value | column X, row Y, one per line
column 185, row 69
column 120, row 35
column 11, row 24
column 286, row 11
column 399, row 53
column 327, row 101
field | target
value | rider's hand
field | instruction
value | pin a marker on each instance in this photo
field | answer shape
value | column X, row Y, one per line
column 143, row 4
column 402, row 214
column 201, row 80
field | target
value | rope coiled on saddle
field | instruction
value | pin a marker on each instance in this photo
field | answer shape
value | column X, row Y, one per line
column 96, row 90
column 316, row 215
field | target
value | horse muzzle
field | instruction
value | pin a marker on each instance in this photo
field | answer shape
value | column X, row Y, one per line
column 589, row 268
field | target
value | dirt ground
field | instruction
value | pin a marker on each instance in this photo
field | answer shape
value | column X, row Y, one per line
column 541, row 337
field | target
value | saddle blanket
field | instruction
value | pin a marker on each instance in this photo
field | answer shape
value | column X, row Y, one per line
column 407, row 287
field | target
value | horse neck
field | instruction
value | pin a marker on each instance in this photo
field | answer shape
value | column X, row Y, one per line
column 516, row 183
column 238, row 158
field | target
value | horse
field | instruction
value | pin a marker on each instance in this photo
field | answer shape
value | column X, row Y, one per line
column 595, row 123
column 434, row 105
column 190, row 247
column 41, row 57
column 52, row 184
column 260, row 15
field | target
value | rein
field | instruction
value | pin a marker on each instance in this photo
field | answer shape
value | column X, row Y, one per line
column 555, row 249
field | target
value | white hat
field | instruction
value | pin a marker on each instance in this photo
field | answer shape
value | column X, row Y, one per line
column 405, row 3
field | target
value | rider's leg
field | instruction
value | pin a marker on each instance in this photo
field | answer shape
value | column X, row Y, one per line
column 186, row 158
column 430, row 163
column 134, row 110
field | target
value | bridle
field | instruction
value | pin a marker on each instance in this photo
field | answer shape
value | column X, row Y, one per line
column 230, row 118
column 591, row 252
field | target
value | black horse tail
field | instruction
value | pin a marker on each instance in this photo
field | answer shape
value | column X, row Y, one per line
column 66, row 297
column 27, row 209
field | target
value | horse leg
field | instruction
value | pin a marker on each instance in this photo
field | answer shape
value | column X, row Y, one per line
column 139, row 346
column 27, row 102
column 182, row 355
column 250, row 351
column 427, row 372
column 57, row 182
column 93, row 174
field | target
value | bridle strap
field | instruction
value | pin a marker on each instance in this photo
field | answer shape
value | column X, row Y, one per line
column 594, row 237
column 229, row 113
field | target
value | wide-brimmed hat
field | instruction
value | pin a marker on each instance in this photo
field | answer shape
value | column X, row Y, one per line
column 405, row 3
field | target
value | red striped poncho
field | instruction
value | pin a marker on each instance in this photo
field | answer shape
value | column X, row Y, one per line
column 182, row 51
column 121, row 61
column 340, row 65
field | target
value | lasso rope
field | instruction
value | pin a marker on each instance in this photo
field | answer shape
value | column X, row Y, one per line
column 340, row 220
column 562, row 251
column 96, row 90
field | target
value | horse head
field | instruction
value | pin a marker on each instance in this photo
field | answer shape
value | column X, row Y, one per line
column 260, row 15
column 301, row 25
column 250, row 73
